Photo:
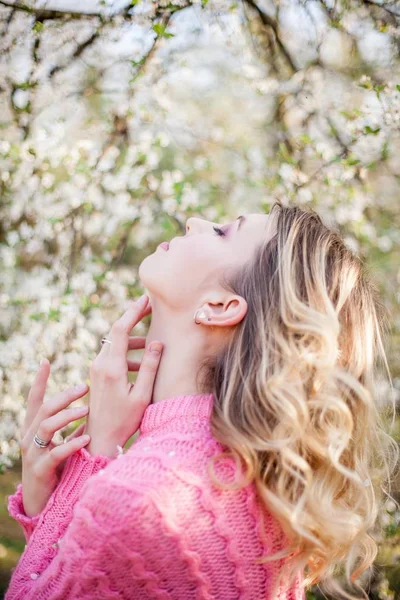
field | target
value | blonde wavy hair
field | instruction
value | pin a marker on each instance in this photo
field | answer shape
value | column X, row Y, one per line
column 295, row 399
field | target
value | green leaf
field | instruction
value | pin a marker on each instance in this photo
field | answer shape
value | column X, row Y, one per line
column 160, row 30
column 333, row 130
column 369, row 130
column 351, row 115
column 173, row 7
column 26, row 85
column 87, row 304
column 17, row 301
column 140, row 74
column 391, row 530
column 38, row 26
column 398, row 88
column 378, row 89
column 305, row 138
column 137, row 63
column 367, row 85
column 178, row 189
column 88, row 207
column 99, row 278
column 351, row 160
column 54, row 314
column 37, row 316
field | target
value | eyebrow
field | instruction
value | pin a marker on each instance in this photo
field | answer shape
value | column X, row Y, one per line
column 241, row 220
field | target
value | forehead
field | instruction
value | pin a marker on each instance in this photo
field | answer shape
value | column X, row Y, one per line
column 261, row 222
column 256, row 228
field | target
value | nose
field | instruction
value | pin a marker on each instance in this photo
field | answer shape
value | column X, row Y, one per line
column 194, row 224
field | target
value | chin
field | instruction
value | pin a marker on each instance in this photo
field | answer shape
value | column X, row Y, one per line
column 143, row 271
column 151, row 272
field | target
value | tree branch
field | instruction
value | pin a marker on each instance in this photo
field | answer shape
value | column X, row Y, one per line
column 77, row 52
column 43, row 14
column 267, row 21
column 393, row 9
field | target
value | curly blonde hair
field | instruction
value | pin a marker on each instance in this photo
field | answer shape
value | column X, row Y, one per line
column 295, row 399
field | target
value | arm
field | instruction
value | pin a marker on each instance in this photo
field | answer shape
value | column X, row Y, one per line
column 115, row 547
column 78, row 468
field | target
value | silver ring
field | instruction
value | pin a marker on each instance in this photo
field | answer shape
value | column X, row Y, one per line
column 105, row 340
column 39, row 442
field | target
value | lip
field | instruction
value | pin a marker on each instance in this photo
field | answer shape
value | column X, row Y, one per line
column 163, row 245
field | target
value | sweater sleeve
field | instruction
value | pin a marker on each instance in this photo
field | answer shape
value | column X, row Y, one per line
column 77, row 469
column 118, row 545
column 16, row 511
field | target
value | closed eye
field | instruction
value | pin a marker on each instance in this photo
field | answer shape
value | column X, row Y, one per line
column 218, row 230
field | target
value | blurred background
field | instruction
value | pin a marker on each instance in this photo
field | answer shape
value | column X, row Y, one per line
column 120, row 122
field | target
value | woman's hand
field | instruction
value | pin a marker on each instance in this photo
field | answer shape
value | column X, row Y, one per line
column 42, row 467
column 116, row 404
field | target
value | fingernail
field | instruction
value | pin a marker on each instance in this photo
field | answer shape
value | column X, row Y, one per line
column 142, row 299
column 80, row 387
column 155, row 347
column 80, row 409
column 41, row 362
column 85, row 438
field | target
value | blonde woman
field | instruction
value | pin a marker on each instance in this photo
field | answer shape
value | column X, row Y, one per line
column 258, row 466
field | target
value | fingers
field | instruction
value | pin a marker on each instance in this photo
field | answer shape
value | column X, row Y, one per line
column 78, row 431
column 36, row 394
column 61, row 452
column 120, row 330
column 143, row 388
column 53, row 406
column 137, row 342
column 134, row 365
column 48, row 427
column 119, row 335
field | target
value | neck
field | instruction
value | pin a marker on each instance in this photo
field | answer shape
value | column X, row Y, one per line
column 184, row 347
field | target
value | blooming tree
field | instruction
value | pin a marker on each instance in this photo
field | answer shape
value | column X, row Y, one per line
column 119, row 122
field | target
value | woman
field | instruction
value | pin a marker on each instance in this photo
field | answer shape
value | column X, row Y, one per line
column 254, row 473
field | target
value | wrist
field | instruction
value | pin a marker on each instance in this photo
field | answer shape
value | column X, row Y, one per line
column 109, row 449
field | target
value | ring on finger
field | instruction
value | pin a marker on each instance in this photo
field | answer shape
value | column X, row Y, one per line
column 39, row 442
column 105, row 341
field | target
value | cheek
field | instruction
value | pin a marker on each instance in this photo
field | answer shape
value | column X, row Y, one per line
column 187, row 267
column 181, row 273
column 195, row 260
column 173, row 274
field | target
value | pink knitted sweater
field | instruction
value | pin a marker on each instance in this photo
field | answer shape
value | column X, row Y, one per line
column 149, row 523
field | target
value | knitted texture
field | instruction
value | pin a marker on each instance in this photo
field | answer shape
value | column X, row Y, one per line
column 150, row 524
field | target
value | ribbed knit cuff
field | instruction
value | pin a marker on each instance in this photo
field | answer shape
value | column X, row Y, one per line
column 77, row 470
column 16, row 510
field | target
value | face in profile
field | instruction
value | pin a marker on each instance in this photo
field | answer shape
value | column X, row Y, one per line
column 193, row 263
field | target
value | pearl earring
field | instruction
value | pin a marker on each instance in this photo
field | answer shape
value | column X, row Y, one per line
column 202, row 315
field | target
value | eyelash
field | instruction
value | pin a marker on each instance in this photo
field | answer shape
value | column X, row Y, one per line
column 218, row 230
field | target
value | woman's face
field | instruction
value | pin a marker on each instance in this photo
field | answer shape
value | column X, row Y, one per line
column 185, row 274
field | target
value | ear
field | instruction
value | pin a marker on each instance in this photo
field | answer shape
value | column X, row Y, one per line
column 227, row 313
